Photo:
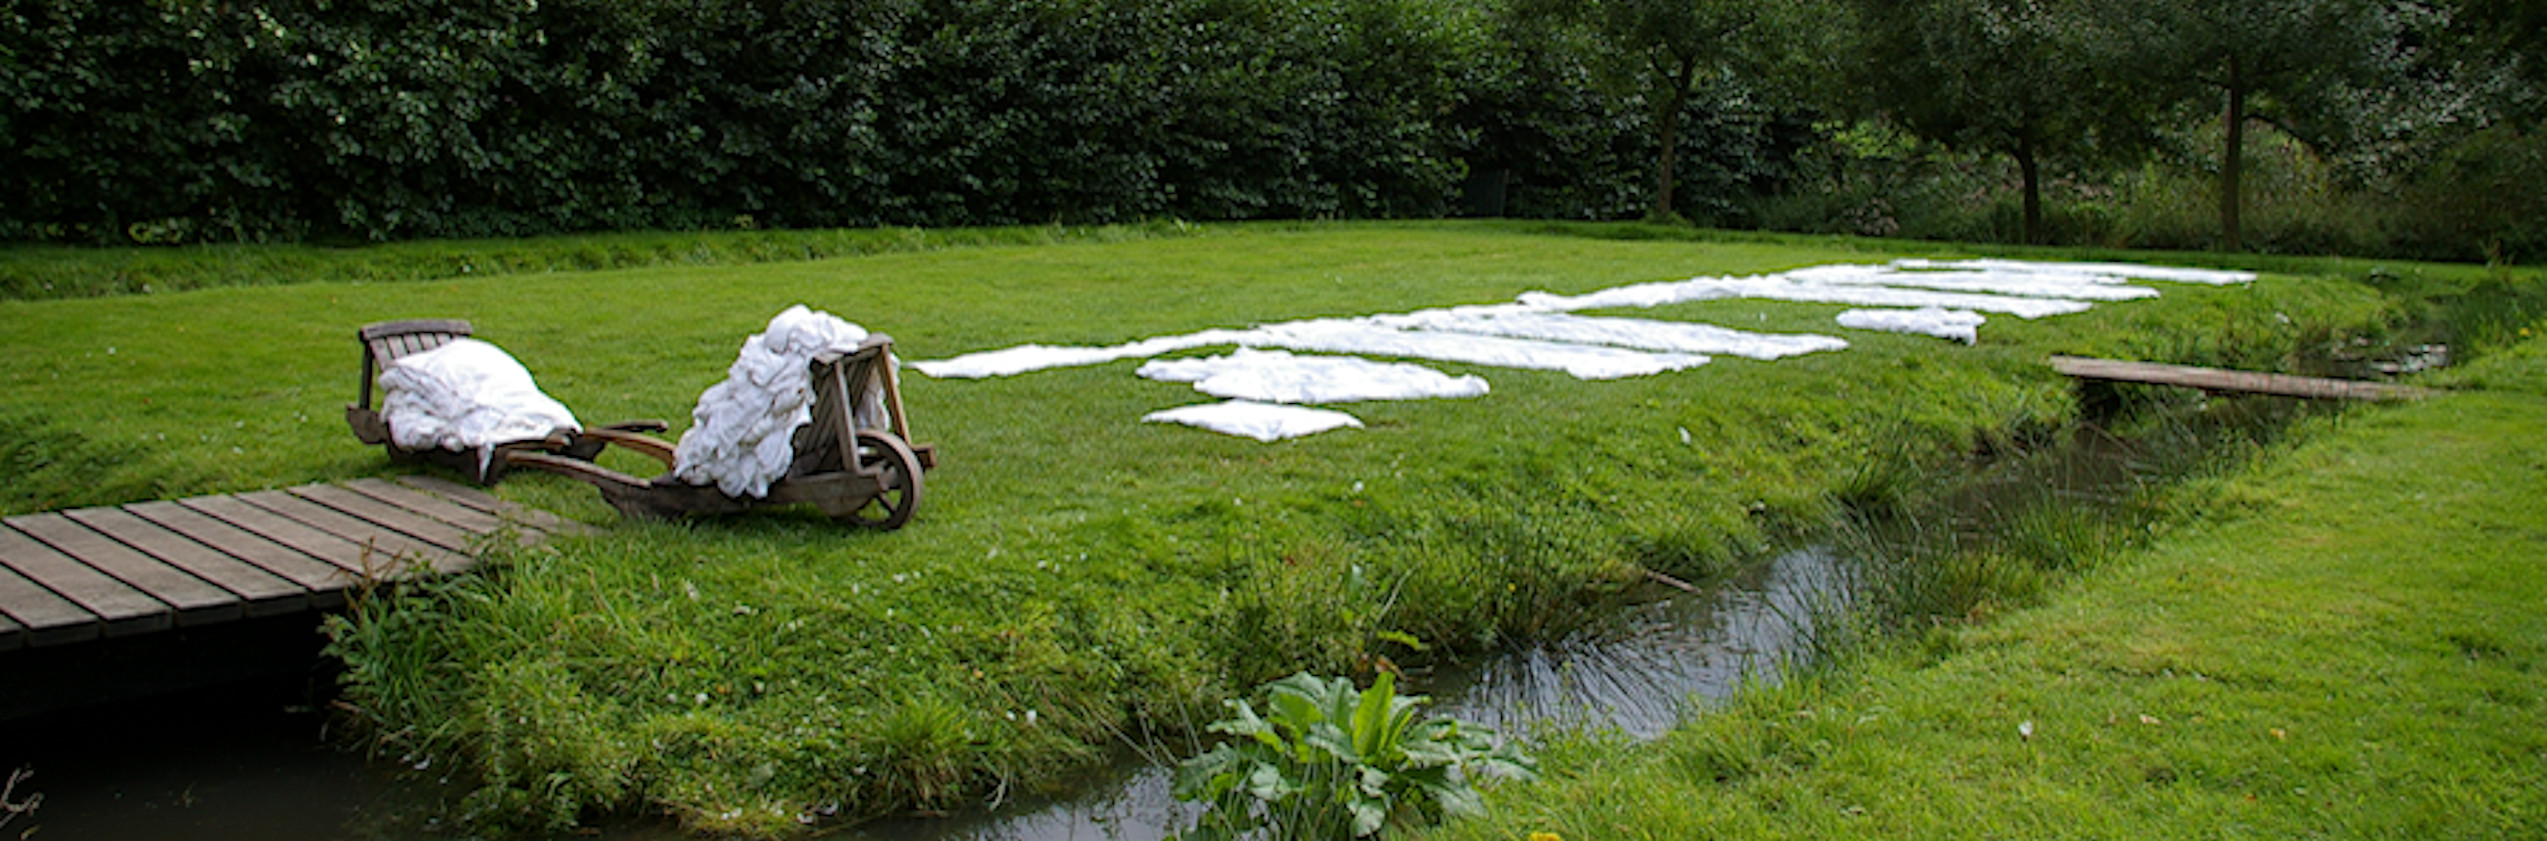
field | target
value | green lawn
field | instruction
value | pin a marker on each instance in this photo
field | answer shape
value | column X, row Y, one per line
column 2348, row 645
column 1116, row 579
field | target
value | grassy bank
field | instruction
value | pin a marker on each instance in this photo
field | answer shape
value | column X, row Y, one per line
column 49, row 272
column 2345, row 642
column 1075, row 577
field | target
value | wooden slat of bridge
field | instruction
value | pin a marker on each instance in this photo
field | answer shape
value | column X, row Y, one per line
column 2224, row 380
column 71, row 576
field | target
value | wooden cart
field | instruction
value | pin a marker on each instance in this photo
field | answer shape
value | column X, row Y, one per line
column 390, row 341
column 868, row 476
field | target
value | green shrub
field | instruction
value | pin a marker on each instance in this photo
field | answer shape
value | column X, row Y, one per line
column 1328, row 762
column 130, row 121
column 2484, row 198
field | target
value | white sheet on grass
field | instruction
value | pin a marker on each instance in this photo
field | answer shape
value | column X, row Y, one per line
column 2118, row 271
column 1261, row 421
column 742, row 433
column 1775, row 288
column 1542, row 331
column 1273, row 376
column 1032, row 357
column 1516, row 322
column 1361, row 336
column 2072, row 286
column 466, row 395
column 1960, row 325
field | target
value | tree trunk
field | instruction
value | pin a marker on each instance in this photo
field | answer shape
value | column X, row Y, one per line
column 2233, row 160
column 1665, row 176
column 2032, row 175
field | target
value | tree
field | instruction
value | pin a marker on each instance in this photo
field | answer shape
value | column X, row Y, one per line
column 2508, row 37
column 2000, row 76
column 1668, row 50
column 2289, row 62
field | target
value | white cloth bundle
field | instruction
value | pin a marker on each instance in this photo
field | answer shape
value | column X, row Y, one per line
column 466, row 395
column 1960, row 325
column 742, row 434
column 1266, row 422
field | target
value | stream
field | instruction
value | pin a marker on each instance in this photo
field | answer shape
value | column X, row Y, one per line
column 1637, row 672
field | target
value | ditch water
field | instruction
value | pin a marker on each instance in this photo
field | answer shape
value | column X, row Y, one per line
column 1637, row 672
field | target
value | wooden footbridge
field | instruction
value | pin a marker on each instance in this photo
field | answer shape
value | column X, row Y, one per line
column 2224, row 381
column 120, row 571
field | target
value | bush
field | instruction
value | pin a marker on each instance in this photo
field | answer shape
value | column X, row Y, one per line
column 1329, row 762
column 137, row 122
column 2484, row 198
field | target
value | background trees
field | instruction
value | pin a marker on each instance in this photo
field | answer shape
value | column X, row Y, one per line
column 2010, row 77
column 2301, row 64
column 2414, row 125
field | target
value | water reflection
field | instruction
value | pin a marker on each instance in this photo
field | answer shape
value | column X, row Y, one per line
column 1128, row 802
column 1638, row 672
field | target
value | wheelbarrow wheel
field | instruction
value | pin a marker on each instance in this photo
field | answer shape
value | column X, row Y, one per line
column 897, row 472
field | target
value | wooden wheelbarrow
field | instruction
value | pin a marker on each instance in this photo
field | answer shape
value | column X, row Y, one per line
column 864, row 475
column 390, row 341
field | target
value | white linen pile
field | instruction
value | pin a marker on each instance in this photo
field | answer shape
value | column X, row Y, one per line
column 742, row 434
column 466, row 395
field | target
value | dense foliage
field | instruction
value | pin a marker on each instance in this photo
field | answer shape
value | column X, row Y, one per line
column 2068, row 121
column 402, row 118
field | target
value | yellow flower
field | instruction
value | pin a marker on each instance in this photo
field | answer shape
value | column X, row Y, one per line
column 1545, row 836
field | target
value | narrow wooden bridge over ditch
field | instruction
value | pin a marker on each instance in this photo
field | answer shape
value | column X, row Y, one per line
column 103, row 602
column 2224, row 381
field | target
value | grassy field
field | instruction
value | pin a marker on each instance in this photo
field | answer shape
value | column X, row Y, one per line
column 2348, row 645
column 1075, row 577
column 43, row 272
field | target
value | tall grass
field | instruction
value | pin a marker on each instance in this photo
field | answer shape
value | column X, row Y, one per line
column 1955, row 545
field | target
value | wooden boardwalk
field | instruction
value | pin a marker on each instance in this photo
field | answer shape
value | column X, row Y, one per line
column 2221, row 380
column 73, row 576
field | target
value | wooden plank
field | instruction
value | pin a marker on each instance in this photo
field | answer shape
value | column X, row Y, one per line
column 453, row 326
column 118, row 607
column 323, row 581
column 2224, row 380
column 260, row 593
column 379, row 513
column 456, row 492
column 390, row 548
column 351, row 560
column 43, row 616
column 460, row 516
column 483, row 501
column 195, row 601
